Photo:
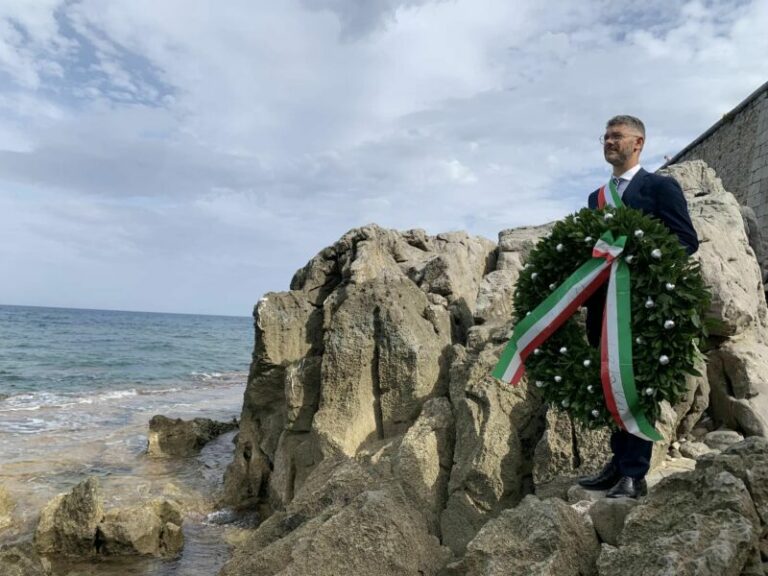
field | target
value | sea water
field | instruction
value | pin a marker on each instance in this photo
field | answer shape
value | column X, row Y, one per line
column 77, row 389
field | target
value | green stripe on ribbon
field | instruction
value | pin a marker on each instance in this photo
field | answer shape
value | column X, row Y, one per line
column 624, row 332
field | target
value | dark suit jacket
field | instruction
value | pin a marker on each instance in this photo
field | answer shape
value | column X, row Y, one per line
column 658, row 196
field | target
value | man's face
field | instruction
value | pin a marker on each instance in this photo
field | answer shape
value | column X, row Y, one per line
column 620, row 143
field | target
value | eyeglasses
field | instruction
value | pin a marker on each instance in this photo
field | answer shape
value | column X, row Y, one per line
column 616, row 137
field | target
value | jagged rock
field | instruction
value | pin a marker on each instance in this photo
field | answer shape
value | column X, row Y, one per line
column 177, row 437
column 698, row 523
column 151, row 529
column 608, row 516
column 496, row 296
column 756, row 240
column 738, row 374
column 566, row 451
column 370, row 322
column 6, row 509
column 728, row 264
column 543, row 537
column 377, row 533
column 496, row 428
column 722, row 439
column 694, row 450
column 68, row 522
column 578, row 494
column 691, row 408
column 423, row 460
column 22, row 560
column 383, row 357
column 748, row 461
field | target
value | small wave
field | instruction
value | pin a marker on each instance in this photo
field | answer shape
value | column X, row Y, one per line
column 38, row 400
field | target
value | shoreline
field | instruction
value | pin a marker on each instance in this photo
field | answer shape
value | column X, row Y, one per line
column 106, row 436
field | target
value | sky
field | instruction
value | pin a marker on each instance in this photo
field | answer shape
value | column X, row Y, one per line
column 191, row 155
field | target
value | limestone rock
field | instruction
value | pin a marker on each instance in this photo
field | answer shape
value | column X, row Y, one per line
column 177, row 437
column 376, row 533
column 495, row 297
column 567, row 450
column 694, row 450
column 382, row 359
column 738, row 374
column 151, row 529
column 722, row 439
column 6, row 509
column 728, row 263
column 22, row 560
column 608, row 516
column 698, row 523
column 424, row 458
column 496, row 428
column 68, row 522
column 543, row 537
column 756, row 240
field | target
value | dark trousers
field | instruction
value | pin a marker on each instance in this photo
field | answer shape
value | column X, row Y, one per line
column 631, row 455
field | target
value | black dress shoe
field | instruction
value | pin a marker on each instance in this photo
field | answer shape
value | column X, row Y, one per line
column 628, row 487
column 602, row 481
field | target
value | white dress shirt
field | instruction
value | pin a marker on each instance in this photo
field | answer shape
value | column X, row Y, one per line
column 625, row 178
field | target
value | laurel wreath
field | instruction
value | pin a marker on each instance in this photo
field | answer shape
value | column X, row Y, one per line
column 668, row 302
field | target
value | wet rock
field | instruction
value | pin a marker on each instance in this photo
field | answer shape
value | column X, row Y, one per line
column 543, row 537
column 177, row 437
column 151, row 529
column 608, row 516
column 6, row 509
column 22, row 560
column 68, row 522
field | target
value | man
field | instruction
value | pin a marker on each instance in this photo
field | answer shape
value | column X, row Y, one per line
column 657, row 196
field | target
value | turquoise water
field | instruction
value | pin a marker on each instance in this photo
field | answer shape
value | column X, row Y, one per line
column 59, row 350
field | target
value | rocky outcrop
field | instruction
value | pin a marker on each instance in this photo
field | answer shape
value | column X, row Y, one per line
column 76, row 525
column 706, row 522
column 151, row 529
column 177, row 437
column 543, row 537
column 22, row 560
column 68, row 523
column 370, row 423
column 349, row 356
column 738, row 368
column 342, row 521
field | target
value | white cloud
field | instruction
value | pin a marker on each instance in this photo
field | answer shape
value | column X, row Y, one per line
column 147, row 144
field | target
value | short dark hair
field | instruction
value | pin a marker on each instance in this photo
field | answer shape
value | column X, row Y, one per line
column 630, row 121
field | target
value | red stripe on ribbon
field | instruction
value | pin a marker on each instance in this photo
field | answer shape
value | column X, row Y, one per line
column 605, row 375
column 552, row 327
column 601, row 197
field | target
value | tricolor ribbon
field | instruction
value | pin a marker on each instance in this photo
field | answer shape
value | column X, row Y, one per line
column 616, row 371
column 609, row 195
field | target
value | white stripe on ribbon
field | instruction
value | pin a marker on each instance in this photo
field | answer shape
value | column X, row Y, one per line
column 614, row 368
column 531, row 334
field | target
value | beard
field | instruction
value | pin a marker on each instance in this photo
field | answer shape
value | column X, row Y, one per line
column 616, row 156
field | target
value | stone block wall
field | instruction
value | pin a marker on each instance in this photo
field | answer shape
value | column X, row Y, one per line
column 737, row 148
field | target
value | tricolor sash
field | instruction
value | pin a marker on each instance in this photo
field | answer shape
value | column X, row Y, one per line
column 608, row 195
column 616, row 371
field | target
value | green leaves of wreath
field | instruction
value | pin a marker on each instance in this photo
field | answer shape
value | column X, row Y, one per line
column 668, row 302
